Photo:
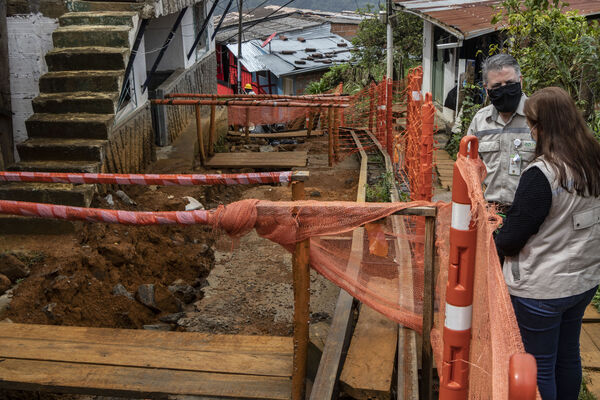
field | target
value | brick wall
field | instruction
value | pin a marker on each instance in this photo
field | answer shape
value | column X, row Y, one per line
column 347, row 31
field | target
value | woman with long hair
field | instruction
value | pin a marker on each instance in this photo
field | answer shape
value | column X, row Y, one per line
column 551, row 240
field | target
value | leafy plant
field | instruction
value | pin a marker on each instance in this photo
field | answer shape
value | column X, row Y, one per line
column 554, row 48
column 584, row 393
column 221, row 145
column 380, row 191
column 369, row 49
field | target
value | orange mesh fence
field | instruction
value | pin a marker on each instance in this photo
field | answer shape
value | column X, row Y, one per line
column 244, row 116
column 374, row 255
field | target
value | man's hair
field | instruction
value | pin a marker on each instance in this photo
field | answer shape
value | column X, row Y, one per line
column 497, row 62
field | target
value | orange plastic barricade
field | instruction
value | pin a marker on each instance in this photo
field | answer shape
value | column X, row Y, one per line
column 522, row 377
column 454, row 382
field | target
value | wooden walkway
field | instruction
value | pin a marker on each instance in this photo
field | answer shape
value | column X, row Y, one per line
column 279, row 135
column 283, row 159
column 138, row 363
column 590, row 349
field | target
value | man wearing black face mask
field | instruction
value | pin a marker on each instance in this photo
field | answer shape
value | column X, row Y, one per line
column 505, row 144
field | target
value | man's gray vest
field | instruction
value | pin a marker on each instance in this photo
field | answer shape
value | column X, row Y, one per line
column 563, row 258
column 499, row 143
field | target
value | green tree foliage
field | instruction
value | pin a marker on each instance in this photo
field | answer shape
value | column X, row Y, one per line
column 554, row 48
column 468, row 111
column 370, row 41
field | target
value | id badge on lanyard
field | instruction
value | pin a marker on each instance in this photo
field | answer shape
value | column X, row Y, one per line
column 514, row 164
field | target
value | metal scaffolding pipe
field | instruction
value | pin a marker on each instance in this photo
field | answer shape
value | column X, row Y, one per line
column 255, row 103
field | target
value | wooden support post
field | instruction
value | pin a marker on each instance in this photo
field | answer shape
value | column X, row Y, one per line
column 200, row 136
column 310, row 122
column 336, row 133
column 330, row 134
column 371, row 106
column 213, row 130
column 301, row 273
column 429, row 282
column 247, row 123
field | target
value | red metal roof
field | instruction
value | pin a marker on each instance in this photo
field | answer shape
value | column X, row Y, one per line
column 471, row 18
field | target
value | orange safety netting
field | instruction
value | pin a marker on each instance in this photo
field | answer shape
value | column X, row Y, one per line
column 244, row 116
column 377, row 257
column 294, row 117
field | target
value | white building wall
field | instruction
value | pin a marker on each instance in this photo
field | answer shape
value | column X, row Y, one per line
column 29, row 39
column 156, row 33
column 176, row 55
column 427, row 56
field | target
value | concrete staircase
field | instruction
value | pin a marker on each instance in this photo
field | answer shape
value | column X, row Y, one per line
column 75, row 110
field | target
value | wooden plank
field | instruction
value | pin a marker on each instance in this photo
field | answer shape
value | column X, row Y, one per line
column 280, row 135
column 188, row 341
column 135, row 382
column 408, row 382
column 146, row 356
column 428, row 291
column 369, row 365
column 287, row 159
column 594, row 331
column 301, row 286
column 590, row 353
column 325, row 384
column 408, row 377
column 591, row 314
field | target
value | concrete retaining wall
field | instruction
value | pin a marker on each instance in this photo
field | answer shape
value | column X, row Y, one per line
column 29, row 38
column 131, row 143
column 170, row 121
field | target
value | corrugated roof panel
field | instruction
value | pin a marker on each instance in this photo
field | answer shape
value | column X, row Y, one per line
column 250, row 55
column 275, row 64
column 473, row 17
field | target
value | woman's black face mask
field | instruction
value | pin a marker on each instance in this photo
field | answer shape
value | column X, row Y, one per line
column 506, row 98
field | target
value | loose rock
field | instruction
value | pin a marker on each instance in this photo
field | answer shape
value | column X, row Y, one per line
column 12, row 267
column 183, row 291
column 266, row 149
column 315, row 193
column 120, row 290
column 4, row 283
column 145, row 295
column 126, row 199
column 158, row 327
column 48, row 310
column 193, row 204
column 172, row 318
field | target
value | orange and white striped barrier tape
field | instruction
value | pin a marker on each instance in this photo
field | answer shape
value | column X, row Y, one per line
column 149, row 179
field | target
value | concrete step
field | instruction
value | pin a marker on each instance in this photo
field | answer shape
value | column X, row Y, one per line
column 87, row 58
column 53, row 193
column 98, row 18
column 17, row 225
column 107, row 5
column 81, row 81
column 45, row 149
column 76, row 102
column 90, row 167
column 91, row 35
column 69, row 126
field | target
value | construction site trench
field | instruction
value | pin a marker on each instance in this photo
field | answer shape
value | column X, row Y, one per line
column 185, row 278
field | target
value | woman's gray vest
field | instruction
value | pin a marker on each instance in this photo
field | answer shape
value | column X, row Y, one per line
column 563, row 258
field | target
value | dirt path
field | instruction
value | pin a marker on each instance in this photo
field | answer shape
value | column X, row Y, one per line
column 92, row 277
column 250, row 289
